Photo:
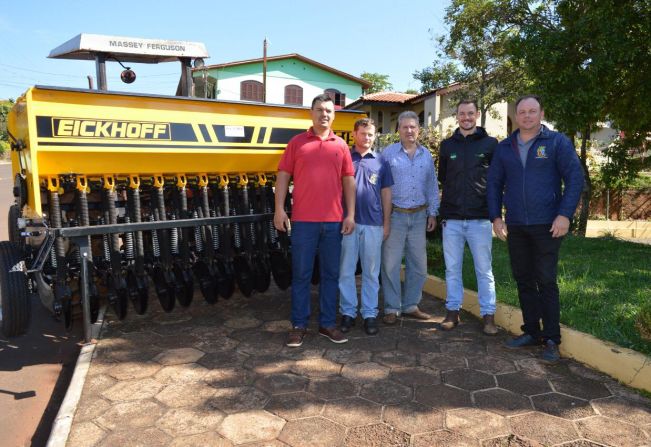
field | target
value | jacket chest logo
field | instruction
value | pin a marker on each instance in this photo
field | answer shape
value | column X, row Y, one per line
column 453, row 156
column 541, row 152
column 372, row 179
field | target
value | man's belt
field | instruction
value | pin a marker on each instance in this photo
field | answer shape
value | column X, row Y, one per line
column 409, row 210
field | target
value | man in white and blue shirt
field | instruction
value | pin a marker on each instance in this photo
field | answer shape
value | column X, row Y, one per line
column 415, row 198
column 373, row 182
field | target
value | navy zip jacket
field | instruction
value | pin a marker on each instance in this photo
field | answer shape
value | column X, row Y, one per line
column 532, row 195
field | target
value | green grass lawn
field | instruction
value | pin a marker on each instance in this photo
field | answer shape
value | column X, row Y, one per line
column 603, row 283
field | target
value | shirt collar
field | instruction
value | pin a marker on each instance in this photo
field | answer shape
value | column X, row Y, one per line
column 356, row 155
column 311, row 133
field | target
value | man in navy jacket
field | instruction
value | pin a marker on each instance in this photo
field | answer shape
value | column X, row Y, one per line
column 525, row 176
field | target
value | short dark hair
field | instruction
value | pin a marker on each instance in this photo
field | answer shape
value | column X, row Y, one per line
column 323, row 97
column 364, row 122
column 468, row 101
column 535, row 97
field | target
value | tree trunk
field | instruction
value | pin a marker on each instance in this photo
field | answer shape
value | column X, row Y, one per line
column 586, row 194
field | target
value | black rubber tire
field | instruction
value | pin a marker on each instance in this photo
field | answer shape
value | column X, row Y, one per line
column 225, row 280
column 244, row 276
column 281, row 269
column 262, row 274
column 12, row 224
column 164, row 288
column 16, row 306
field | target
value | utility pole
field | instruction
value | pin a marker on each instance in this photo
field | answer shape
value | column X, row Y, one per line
column 264, row 71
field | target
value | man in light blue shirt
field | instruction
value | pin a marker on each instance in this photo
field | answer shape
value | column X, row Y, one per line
column 415, row 198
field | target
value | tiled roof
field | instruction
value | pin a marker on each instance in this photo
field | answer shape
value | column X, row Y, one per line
column 387, row 97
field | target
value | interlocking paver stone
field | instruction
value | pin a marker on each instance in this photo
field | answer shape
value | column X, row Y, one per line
column 282, row 383
column 580, row 387
column 91, row 407
column 236, row 399
column 150, row 437
column 524, row 383
column 502, row 402
column 445, row 438
column 211, row 439
column 85, row 433
column 365, row 372
column 537, row 426
column 476, row 423
column 178, row 356
column 333, row 387
column 251, row 426
column 186, row 394
column 353, row 411
column 413, row 418
column 410, row 384
column 469, row 379
column 345, row 356
column 315, row 432
column 511, row 441
column 268, row 364
column 563, row 406
column 222, row 358
column 228, row 376
column 295, row 405
column 184, row 373
column 619, row 408
column 611, row 432
column 134, row 370
column 134, row 414
column 442, row 361
column 189, row 421
column 387, row 392
column 442, row 397
column 133, row 390
column 316, row 367
column 376, row 435
column 395, row 359
column 418, row 375
column 491, row 364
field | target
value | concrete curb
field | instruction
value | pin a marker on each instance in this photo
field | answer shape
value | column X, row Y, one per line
column 629, row 367
column 63, row 421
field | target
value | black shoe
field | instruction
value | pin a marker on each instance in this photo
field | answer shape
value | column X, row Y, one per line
column 551, row 353
column 522, row 341
column 370, row 326
column 346, row 323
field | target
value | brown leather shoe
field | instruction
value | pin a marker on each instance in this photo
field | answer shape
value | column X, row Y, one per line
column 295, row 337
column 333, row 334
column 390, row 318
column 489, row 325
column 417, row 314
column 451, row 320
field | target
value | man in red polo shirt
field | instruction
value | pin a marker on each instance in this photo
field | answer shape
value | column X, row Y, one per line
column 320, row 164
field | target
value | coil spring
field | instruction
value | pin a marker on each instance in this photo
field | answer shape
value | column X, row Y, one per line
column 129, row 246
column 237, row 235
column 174, row 237
column 198, row 240
column 154, row 240
column 53, row 257
column 106, row 244
column 271, row 229
column 215, row 232
column 253, row 235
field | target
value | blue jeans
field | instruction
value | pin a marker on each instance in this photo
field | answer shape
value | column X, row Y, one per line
column 364, row 243
column 407, row 238
column 479, row 236
column 307, row 238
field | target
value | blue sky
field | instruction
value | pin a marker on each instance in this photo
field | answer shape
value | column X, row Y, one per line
column 387, row 37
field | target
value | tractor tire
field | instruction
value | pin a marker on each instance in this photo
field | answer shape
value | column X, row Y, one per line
column 12, row 225
column 16, row 308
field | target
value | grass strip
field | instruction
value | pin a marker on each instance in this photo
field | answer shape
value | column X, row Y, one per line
column 603, row 283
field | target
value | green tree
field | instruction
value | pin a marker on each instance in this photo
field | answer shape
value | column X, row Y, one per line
column 475, row 53
column 582, row 60
column 5, row 107
column 379, row 82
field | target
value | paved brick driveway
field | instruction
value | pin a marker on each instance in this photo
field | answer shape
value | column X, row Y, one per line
column 220, row 376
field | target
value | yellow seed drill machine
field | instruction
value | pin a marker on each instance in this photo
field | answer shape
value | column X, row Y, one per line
column 115, row 192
